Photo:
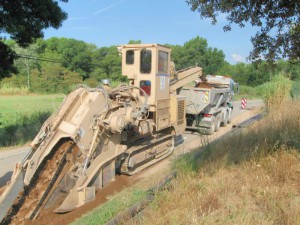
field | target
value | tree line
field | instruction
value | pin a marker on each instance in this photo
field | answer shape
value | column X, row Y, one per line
column 277, row 39
column 59, row 64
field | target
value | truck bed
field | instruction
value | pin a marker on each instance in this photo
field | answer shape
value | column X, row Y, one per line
column 198, row 98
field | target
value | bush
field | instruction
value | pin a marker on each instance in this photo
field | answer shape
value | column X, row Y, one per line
column 246, row 92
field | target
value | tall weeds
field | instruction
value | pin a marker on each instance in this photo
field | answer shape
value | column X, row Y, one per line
column 295, row 90
column 9, row 89
column 275, row 92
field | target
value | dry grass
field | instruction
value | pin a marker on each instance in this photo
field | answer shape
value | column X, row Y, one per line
column 249, row 178
column 256, row 192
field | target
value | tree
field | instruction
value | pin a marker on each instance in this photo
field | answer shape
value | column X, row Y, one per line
column 75, row 55
column 279, row 22
column 213, row 60
column 26, row 63
column 196, row 52
column 110, row 62
column 6, row 59
column 135, row 42
column 24, row 21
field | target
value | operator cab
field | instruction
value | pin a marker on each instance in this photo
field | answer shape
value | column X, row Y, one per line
column 147, row 66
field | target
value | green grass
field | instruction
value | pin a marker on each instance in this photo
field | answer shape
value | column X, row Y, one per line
column 15, row 107
column 21, row 117
column 23, row 130
column 115, row 205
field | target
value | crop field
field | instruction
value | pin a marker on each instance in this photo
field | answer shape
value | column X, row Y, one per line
column 12, row 108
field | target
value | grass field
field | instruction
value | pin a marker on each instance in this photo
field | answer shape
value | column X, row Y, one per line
column 12, row 108
column 22, row 116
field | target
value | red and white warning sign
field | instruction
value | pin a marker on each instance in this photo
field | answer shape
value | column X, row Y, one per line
column 244, row 103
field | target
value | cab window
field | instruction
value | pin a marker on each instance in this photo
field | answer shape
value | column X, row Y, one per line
column 146, row 59
column 145, row 85
column 163, row 62
column 130, row 57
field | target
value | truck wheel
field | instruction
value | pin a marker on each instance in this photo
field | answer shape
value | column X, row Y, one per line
column 218, row 123
column 212, row 127
column 229, row 116
column 210, row 130
column 225, row 122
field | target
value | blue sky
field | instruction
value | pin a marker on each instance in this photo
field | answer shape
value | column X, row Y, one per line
column 115, row 22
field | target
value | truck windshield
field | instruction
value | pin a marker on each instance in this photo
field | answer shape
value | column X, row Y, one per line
column 146, row 58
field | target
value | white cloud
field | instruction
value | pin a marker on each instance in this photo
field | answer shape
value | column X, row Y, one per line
column 107, row 8
column 237, row 58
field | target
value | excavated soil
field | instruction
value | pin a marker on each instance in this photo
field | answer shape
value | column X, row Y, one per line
column 47, row 216
column 34, row 193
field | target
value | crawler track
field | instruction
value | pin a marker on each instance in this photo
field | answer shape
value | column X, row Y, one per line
column 147, row 153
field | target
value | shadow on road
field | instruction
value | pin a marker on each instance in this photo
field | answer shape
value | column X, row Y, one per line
column 23, row 130
column 5, row 178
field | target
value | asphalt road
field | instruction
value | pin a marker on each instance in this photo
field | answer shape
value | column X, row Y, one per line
column 250, row 105
column 8, row 158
